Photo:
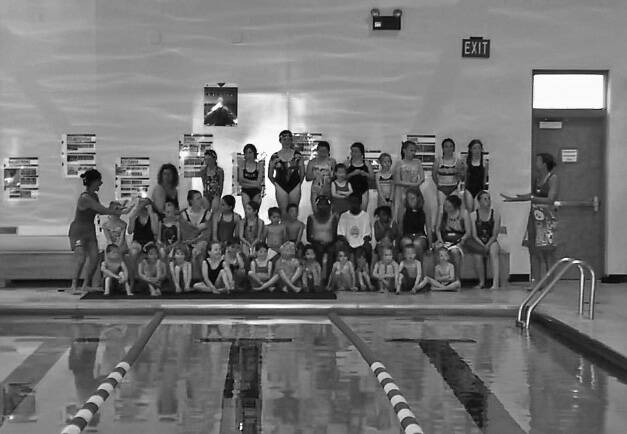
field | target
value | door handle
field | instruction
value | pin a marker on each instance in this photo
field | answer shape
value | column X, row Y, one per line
column 594, row 203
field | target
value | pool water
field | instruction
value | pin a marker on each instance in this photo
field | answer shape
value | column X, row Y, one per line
column 302, row 375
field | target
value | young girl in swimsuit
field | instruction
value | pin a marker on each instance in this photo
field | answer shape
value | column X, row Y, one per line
column 444, row 276
column 212, row 177
column 414, row 224
column 114, row 228
column 409, row 275
column 485, row 225
column 362, row 271
column 448, row 171
column 151, row 270
column 312, row 272
column 286, row 171
column 385, row 181
column 476, row 178
column 169, row 232
column 250, row 176
column 215, row 275
column 250, row 228
column 114, row 271
column 260, row 273
column 235, row 262
column 319, row 172
column 359, row 173
column 453, row 229
column 407, row 173
column 288, row 269
column 342, row 276
column 385, row 271
column 340, row 190
column 226, row 222
column 180, row 270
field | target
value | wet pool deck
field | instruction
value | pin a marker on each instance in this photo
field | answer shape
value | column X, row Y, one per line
column 608, row 327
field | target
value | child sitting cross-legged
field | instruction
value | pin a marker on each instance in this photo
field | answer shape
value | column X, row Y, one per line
column 385, row 271
column 288, row 269
column 342, row 277
column 409, row 276
column 444, row 277
column 180, row 269
column 151, row 270
column 275, row 233
column 362, row 271
column 114, row 271
column 312, row 271
column 260, row 275
column 216, row 275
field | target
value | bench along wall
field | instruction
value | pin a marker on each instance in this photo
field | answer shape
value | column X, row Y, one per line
column 133, row 72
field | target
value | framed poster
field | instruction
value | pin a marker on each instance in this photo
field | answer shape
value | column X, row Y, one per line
column 78, row 154
column 306, row 143
column 21, row 178
column 132, row 177
column 191, row 153
column 220, row 105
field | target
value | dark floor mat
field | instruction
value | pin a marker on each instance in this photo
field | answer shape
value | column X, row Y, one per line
column 209, row 296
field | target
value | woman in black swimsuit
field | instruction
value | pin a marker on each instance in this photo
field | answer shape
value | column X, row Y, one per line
column 286, row 171
column 476, row 178
column 250, row 176
column 542, row 222
column 359, row 173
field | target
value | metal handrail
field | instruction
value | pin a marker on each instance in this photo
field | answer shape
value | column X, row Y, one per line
column 566, row 264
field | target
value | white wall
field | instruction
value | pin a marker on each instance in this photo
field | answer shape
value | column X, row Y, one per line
column 133, row 71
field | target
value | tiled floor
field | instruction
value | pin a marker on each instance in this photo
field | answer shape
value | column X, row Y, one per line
column 608, row 327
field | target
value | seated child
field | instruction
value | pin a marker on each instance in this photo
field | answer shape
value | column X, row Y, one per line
column 288, row 269
column 250, row 228
column 414, row 222
column 151, row 270
column 409, row 276
column 384, row 226
column 342, row 277
column 354, row 228
column 114, row 229
column 385, row 270
column 444, row 276
column 312, row 271
column 114, row 271
column 169, row 230
column 180, row 269
column 235, row 261
column 216, row 277
column 294, row 228
column 275, row 233
column 260, row 274
column 362, row 271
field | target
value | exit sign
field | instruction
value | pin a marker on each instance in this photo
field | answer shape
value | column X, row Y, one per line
column 476, row 47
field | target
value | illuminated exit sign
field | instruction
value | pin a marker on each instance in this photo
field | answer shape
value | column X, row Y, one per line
column 476, row 47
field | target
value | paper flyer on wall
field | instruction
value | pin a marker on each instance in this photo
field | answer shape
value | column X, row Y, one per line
column 21, row 178
column 78, row 153
column 191, row 153
column 425, row 150
column 132, row 177
column 306, row 143
column 238, row 161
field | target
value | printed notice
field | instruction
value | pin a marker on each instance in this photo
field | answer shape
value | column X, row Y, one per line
column 21, row 178
column 191, row 153
column 132, row 177
column 78, row 153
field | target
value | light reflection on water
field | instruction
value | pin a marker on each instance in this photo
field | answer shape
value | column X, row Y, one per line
column 459, row 376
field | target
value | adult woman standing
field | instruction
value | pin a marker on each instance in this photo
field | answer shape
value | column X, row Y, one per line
column 453, row 229
column 407, row 173
column 542, row 222
column 166, row 188
column 359, row 173
column 250, row 176
column 82, row 231
column 286, row 171
column 485, row 226
column 212, row 177
column 476, row 178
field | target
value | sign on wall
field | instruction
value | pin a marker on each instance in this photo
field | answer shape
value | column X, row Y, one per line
column 21, row 178
column 191, row 153
column 306, row 144
column 220, row 105
column 78, row 154
column 425, row 149
column 476, row 47
column 132, row 177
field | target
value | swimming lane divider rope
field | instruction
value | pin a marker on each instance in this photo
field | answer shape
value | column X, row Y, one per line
column 93, row 404
column 405, row 416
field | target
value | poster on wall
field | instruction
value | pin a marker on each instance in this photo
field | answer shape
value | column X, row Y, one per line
column 306, row 144
column 191, row 153
column 132, row 177
column 238, row 161
column 21, row 178
column 220, row 105
column 78, row 154
column 425, row 150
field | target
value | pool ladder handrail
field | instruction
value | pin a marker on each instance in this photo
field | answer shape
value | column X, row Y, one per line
column 527, row 306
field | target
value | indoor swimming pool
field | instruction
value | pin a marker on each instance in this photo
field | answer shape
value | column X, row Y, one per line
column 302, row 375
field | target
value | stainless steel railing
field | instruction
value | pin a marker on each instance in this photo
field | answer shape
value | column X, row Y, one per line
column 552, row 277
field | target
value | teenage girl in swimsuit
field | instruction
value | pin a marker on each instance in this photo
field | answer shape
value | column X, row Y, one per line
column 250, row 176
column 359, row 173
column 407, row 173
column 226, row 222
column 448, row 171
column 82, row 232
column 476, row 174
column 212, row 177
column 286, row 171
column 453, row 229
column 320, row 171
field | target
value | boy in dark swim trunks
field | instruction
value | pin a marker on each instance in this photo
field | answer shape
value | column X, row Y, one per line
column 275, row 232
